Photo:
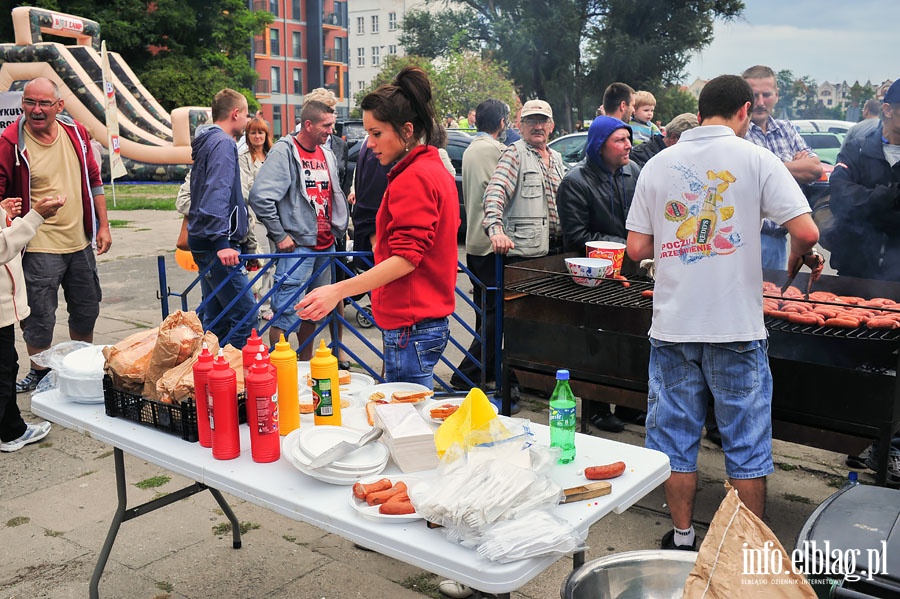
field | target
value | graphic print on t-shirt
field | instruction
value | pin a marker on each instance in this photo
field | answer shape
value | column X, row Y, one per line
column 318, row 188
column 704, row 216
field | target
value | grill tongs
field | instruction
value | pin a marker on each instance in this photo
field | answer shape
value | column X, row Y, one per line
column 814, row 261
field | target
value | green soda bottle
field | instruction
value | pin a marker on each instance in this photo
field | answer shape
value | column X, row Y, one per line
column 562, row 417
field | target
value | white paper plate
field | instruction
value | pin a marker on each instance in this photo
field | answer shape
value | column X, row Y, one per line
column 291, row 452
column 316, row 440
column 348, row 400
column 425, row 407
column 86, row 400
column 388, row 389
column 370, row 512
column 355, row 419
column 358, row 382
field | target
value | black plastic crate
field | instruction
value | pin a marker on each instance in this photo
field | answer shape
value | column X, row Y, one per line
column 176, row 419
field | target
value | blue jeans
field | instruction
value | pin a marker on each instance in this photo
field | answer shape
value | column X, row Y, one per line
column 238, row 286
column 411, row 353
column 682, row 378
column 289, row 284
column 774, row 251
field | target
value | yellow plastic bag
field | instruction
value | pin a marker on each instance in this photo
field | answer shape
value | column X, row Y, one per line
column 474, row 423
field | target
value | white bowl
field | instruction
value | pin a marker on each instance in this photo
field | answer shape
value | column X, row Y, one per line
column 589, row 271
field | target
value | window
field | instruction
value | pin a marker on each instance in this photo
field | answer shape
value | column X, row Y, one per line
column 360, row 57
column 392, row 21
column 374, row 23
column 295, row 10
column 298, row 81
column 360, row 85
column 360, row 25
column 276, row 80
column 376, row 56
column 273, row 7
column 274, row 42
column 392, row 49
column 276, row 121
column 297, row 44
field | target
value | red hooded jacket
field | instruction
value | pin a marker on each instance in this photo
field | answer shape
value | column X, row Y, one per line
column 15, row 170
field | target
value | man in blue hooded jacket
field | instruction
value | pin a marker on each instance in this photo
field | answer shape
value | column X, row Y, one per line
column 593, row 201
column 218, row 219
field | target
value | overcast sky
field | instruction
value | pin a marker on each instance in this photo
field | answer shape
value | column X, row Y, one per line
column 828, row 40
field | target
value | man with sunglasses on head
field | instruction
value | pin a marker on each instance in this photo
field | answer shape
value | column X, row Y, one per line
column 45, row 154
column 781, row 138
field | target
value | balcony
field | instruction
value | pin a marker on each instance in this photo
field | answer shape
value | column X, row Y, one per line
column 259, row 46
column 336, row 55
column 334, row 19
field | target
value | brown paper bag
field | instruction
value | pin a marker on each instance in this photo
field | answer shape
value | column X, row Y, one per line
column 177, row 384
column 736, row 542
column 127, row 361
column 179, row 337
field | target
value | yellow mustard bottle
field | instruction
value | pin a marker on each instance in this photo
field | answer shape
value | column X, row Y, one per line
column 284, row 359
column 326, row 389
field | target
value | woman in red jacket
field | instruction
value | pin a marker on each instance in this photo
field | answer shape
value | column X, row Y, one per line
column 414, row 277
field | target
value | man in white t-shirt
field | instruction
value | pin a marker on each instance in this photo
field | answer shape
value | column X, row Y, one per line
column 696, row 211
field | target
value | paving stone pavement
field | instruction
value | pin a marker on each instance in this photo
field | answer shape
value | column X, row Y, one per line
column 57, row 497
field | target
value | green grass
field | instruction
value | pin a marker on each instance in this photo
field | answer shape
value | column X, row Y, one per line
column 18, row 521
column 118, row 224
column 153, row 482
column 142, row 197
column 225, row 527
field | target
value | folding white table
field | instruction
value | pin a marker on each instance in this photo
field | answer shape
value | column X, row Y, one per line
column 281, row 488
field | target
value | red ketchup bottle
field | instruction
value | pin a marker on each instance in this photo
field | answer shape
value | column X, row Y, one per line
column 201, row 368
column 248, row 354
column 262, row 412
column 223, row 417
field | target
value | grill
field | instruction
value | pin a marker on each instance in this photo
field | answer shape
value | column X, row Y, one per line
column 834, row 388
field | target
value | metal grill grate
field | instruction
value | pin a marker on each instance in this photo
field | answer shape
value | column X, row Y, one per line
column 608, row 293
column 862, row 332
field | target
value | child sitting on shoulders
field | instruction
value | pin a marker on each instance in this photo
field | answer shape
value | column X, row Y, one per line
column 642, row 125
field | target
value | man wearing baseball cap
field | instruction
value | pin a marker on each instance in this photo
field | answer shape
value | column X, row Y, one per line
column 521, row 195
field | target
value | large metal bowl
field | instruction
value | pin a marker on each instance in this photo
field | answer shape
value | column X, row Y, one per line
column 654, row 574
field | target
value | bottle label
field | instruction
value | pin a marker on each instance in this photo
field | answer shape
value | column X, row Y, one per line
column 562, row 417
column 321, row 393
column 209, row 408
column 267, row 415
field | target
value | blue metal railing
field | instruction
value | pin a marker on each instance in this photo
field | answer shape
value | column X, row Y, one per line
column 335, row 321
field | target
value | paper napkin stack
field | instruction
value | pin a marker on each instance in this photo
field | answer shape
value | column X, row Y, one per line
column 408, row 436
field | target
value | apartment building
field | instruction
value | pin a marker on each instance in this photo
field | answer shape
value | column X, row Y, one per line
column 304, row 47
column 373, row 32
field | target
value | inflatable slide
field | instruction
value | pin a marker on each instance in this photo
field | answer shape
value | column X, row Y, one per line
column 155, row 145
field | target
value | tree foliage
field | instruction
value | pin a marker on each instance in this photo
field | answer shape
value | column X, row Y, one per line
column 184, row 51
column 459, row 83
column 645, row 43
column 674, row 100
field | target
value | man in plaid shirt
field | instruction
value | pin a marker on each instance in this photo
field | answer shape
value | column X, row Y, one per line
column 781, row 138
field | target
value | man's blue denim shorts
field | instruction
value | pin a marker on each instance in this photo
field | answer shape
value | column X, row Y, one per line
column 683, row 378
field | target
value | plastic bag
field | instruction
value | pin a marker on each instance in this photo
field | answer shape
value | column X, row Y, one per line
column 53, row 357
column 474, row 423
column 537, row 534
column 492, row 483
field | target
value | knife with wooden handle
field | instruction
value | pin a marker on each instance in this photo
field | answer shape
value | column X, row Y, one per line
column 590, row 491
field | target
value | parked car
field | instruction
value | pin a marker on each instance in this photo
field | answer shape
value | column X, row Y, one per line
column 571, row 147
column 457, row 142
column 822, row 126
column 825, row 145
column 351, row 130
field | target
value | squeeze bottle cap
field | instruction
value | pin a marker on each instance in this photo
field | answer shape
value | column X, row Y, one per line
column 323, row 351
column 282, row 345
column 562, row 375
column 253, row 338
column 205, row 355
column 259, row 365
column 221, row 363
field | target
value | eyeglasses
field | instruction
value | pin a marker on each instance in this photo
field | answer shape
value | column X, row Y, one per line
column 42, row 103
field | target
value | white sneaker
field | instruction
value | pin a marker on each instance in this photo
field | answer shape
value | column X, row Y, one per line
column 454, row 590
column 33, row 434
